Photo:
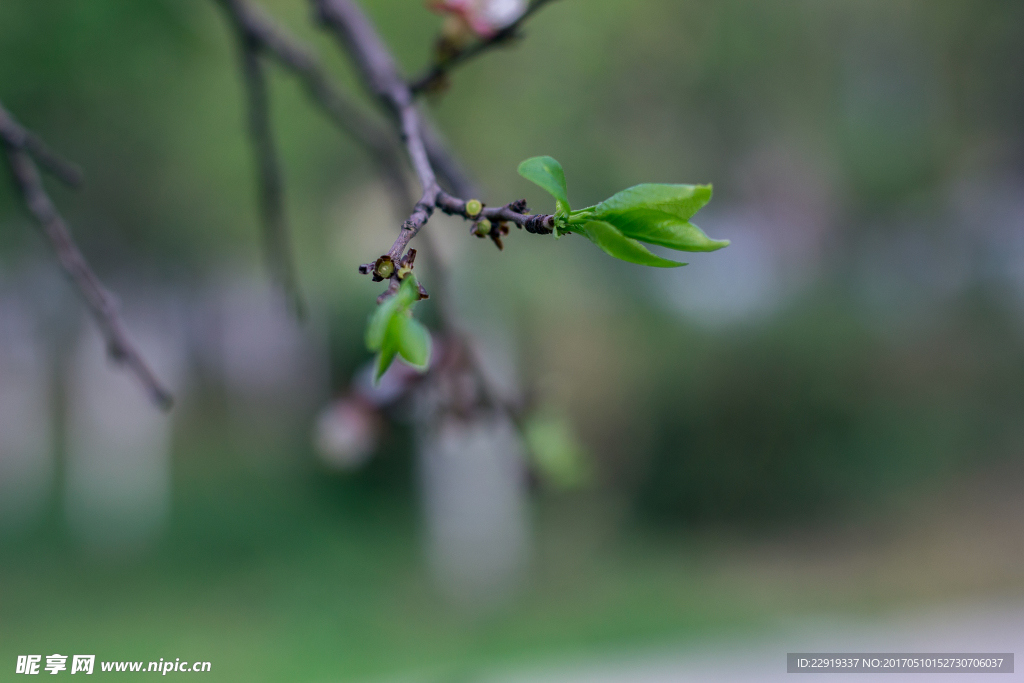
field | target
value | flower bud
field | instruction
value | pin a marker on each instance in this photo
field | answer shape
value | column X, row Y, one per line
column 384, row 267
column 484, row 17
column 483, row 228
column 474, row 207
column 347, row 432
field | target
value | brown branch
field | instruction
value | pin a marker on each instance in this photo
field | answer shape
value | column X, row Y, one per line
column 442, row 67
column 62, row 169
column 258, row 30
column 276, row 241
column 379, row 73
column 19, row 152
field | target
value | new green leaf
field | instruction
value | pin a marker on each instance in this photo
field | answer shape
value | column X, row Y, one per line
column 548, row 174
column 652, row 213
column 413, row 341
column 657, row 214
column 393, row 332
column 379, row 321
column 614, row 243
column 682, row 201
column 387, row 353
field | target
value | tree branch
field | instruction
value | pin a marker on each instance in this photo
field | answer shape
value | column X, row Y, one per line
column 19, row 150
column 253, row 25
column 424, row 147
column 379, row 73
column 442, row 67
column 276, row 242
column 62, row 169
column 256, row 29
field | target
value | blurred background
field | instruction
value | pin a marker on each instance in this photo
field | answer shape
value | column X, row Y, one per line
column 821, row 424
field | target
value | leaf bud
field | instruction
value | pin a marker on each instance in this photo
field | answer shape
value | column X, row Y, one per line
column 483, row 228
column 384, row 268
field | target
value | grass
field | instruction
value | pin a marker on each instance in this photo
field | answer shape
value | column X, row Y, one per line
column 291, row 574
column 299, row 576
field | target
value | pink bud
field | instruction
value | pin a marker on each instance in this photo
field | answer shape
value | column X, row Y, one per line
column 484, row 17
column 347, row 432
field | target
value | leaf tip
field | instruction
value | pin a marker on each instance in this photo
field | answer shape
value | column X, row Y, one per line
column 379, row 370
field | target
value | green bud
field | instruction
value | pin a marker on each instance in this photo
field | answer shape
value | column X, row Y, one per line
column 473, row 207
column 483, row 227
column 403, row 272
column 385, row 267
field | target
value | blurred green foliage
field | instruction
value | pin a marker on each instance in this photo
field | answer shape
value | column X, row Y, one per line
column 819, row 416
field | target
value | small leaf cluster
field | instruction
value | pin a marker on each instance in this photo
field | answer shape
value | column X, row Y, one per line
column 652, row 213
column 393, row 331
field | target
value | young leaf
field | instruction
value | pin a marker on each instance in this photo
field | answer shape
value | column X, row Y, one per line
column 413, row 341
column 664, row 230
column 379, row 321
column 658, row 214
column 389, row 347
column 548, row 174
column 393, row 331
column 682, row 201
column 407, row 295
column 614, row 243
column 384, row 360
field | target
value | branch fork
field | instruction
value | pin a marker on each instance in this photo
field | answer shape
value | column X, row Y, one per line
column 259, row 37
column 380, row 76
column 23, row 151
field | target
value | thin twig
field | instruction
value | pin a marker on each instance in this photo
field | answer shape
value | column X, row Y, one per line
column 441, row 68
column 37, row 201
column 62, row 169
column 379, row 73
column 253, row 26
column 276, row 240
